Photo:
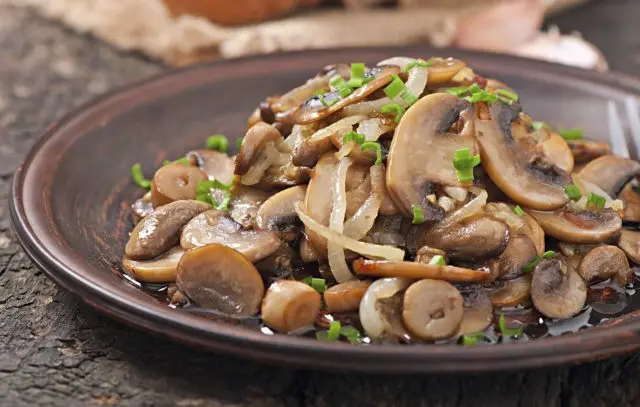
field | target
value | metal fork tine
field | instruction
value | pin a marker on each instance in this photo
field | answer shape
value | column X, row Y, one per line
column 616, row 131
column 633, row 113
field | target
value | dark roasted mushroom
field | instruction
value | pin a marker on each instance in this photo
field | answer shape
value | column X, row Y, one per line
column 253, row 144
column 557, row 291
column 587, row 150
column 604, row 262
column 610, row 173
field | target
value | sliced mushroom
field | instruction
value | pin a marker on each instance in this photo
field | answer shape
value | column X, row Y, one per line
column 510, row 157
column 373, row 322
column 308, row 253
column 142, row 207
column 510, row 293
column 630, row 195
column 519, row 252
column 357, row 187
column 245, row 204
column 255, row 117
column 162, row 269
column 587, row 150
column 290, row 305
column 630, row 243
column 216, row 226
column 411, row 270
column 604, row 262
column 220, row 278
column 579, row 226
column 175, row 182
column 317, row 202
column 413, row 169
column 278, row 210
column 557, row 291
column 252, row 145
column 215, row 164
column 556, row 150
column 478, row 310
column 432, row 309
column 426, row 253
column 346, row 296
column 158, row 232
column 536, row 233
column 610, row 173
column 310, row 146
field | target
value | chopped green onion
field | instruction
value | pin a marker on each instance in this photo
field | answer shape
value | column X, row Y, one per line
column 464, row 163
column 457, row 91
column 353, row 136
column 331, row 102
column 573, row 192
column 417, row 63
column 226, row 200
column 472, row 338
column 533, row 263
column 393, row 108
column 548, row 254
column 358, row 70
column 508, row 94
column 183, row 161
column 138, row 177
column 395, row 88
column 409, row 97
column 239, row 142
column 352, row 334
column 318, row 284
column 418, row 215
column 338, row 83
column 505, row 330
column 355, row 83
column 482, row 96
column 571, row 134
column 596, row 201
column 539, row 125
column 474, row 88
column 518, row 210
column 373, row 145
column 204, row 198
column 218, row 142
column 438, row 260
column 203, row 187
column 334, row 331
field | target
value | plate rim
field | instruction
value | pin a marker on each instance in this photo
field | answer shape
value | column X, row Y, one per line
column 582, row 347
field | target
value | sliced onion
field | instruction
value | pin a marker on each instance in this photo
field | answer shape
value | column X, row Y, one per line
column 335, row 252
column 268, row 156
column 370, row 318
column 474, row 206
column 586, row 187
column 328, row 131
column 346, row 149
column 298, row 133
column 372, row 129
column 362, row 221
column 372, row 251
column 457, row 193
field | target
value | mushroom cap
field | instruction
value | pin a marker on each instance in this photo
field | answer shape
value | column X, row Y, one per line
column 510, row 157
column 557, row 291
column 519, row 252
column 604, row 262
column 412, row 167
column 215, row 226
column 279, row 209
column 290, row 305
column 556, row 150
column 610, row 173
column 253, row 143
column 162, row 269
column 432, row 309
column 630, row 195
column 346, row 296
column 583, row 227
column 630, row 243
column 587, row 150
column 159, row 231
column 175, row 182
column 142, row 207
column 220, row 278
column 245, row 204
column 509, row 293
column 412, row 270
column 216, row 165
column 478, row 310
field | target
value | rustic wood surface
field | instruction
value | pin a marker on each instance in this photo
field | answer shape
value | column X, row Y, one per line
column 56, row 351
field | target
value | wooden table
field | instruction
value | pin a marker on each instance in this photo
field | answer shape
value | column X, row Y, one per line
column 56, row 351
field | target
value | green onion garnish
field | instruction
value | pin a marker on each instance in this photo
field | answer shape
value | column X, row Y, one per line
column 417, row 63
column 464, row 163
column 533, row 263
column 218, row 142
column 505, row 330
column 518, row 210
column 418, row 215
column 548, row 254
column 138, row 177
column 482, row 96
column 355, row 83
column 352, row 334
column 338, row 83
column 357, row 75
column 539, row 125
column 472, row 338
column 334, row 331
column 318, row 284
column 373, row 145
column 457, row 91
column 571, row 134
column 511, row 96
column 204, row 198
column 393, row 108
column 573, row 192
column 183, row 161
column 595, row 201
column 395, row 88
column 239, row 142
column 409, row 97
column 226, row 200
column 203, row 187
column 353, row 136
column 438, row 260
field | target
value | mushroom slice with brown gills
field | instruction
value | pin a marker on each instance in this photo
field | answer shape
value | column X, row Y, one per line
column 556, row 150
column 412, row 167
column 380, row 308
column 630, row 243
column 610, row 173
column 162, row 269
column 587, row 150
column 519, row 252
column 245, row 204
column 215, row 164
column 158, row 232
column 630, row 195
column 345, row 296
column 477, row 309
column 175, row 182
column 432, row 309
column 604, row 262
column 412, row 270
column 556, row 290
column 575, row 225
column 511, row 158
column 509, row 293
column 290, row 305
column 220, row 278
column 253, row 143
column 278, row 210
column 216, row 226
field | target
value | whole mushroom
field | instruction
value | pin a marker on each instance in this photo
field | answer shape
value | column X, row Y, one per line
column 290, row 305
column 556, row 290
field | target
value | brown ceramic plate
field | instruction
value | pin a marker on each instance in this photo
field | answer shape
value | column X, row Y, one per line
column 72, row 193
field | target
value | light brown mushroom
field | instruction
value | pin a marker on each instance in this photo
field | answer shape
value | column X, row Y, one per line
column 413, row 170
column 478, row 310
column 425, row 254
column 278, row 210
column 317, row 202
column 308, row 253
column 346, row 296
column 175, row 182
column 509, row 293
column 162, row 269
column 159, row 231
column 290, row 305
column 630, row 195
column 252, row 145
column 630, row 243
column 556, row 150
column 587, row 150
column 556, row 290
column 511, row 158
column 216, row 226
column 245, row 204
column 220, row 278
column 432, row 309
column 579, row 226
column 536, row 233
column 215, row 164
column 412, row 270
column 142, row 207
column 604, row 262
column 519, row 252
column 610, row 173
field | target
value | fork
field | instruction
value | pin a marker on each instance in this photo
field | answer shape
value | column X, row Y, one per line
column 620, row 144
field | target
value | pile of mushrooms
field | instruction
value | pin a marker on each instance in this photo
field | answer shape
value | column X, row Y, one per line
column 411, row 201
